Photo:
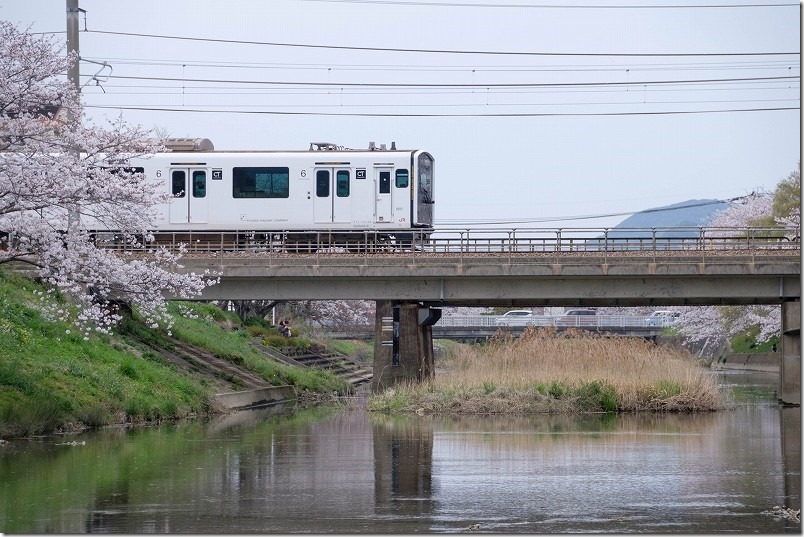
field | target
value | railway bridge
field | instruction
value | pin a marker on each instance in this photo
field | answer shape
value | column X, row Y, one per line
column 515, row 269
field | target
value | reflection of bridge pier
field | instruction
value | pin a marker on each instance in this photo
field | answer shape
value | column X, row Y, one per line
column 403, row 466
column 790, row 368
column 790, row 421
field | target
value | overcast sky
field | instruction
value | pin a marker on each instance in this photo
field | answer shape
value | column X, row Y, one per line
column 535, row 111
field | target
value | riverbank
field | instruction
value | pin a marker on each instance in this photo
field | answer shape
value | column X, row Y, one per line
column 545, row 371
column 52, row 379
column 747, row 361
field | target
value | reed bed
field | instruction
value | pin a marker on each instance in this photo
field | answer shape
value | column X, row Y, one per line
column 545, row 371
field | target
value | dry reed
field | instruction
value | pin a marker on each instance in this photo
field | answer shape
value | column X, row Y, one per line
column 559, row 372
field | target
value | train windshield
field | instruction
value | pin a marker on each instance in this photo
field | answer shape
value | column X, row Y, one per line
column 424, row 171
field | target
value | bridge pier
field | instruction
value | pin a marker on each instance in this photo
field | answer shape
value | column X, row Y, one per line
column 403, row 343
column 790, row 382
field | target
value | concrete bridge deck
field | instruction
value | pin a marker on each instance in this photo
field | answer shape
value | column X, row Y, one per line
column 594, row 267
column 630, row 279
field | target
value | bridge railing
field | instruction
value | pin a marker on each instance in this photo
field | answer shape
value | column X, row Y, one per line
column 618, row 240
column 464, row 241
column 579, row 321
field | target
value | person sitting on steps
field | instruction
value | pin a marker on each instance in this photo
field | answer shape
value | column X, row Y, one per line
column 284, row 327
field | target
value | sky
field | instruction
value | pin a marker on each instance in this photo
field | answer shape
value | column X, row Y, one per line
column 539, row 113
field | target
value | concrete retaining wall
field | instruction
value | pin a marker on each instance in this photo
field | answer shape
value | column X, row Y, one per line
column 760, row 361
column 256, row 397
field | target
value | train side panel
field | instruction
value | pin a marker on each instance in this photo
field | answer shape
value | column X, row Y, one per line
column 293, row 191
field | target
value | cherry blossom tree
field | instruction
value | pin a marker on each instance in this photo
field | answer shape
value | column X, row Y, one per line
column 61, row 177
column 713, row 326
column 333, row 314
column 787, row 202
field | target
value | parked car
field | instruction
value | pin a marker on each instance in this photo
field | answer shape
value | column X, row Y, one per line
column 578, row 317
column 515, row 318
column 663, row 318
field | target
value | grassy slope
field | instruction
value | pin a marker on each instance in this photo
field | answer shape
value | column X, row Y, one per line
column 53, row 380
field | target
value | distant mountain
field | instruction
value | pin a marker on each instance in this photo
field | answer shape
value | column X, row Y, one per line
column 691, row 213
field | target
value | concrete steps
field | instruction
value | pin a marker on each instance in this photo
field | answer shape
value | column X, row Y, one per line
column 327, row 360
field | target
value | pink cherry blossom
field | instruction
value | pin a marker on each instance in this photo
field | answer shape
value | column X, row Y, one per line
column 52, row 167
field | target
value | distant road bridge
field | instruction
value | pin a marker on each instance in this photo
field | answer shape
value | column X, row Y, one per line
column 480, row 327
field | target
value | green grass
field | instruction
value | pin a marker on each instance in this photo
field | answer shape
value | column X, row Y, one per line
column 362, row 350
column 747, row 342
column 51, row 379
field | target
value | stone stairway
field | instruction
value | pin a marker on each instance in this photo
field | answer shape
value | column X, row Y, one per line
column 328, row 360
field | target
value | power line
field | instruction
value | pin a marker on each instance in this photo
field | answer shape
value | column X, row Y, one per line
column 335, row 84
column 198, row 90
column 486, row 106
column 551, row 6
column 296, row 66
column 508, row 221
column 410, row 115
column 440, row 51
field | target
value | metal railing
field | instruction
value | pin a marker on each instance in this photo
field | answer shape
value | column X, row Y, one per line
column 482, row 241
column 566, row 321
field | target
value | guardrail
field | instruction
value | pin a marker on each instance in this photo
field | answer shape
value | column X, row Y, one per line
column 511, row 242
column 485, row 325
column 563, row 321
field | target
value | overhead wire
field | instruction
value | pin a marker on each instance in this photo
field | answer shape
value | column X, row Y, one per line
column 715, row 66
column 413, row 88
column 509, row 221
column 420, row 3
column 442, row 51
column 478, row 85
column 411, row 115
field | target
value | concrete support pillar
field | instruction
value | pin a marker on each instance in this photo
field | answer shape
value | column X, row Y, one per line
column 790, row 382
column 414, row 347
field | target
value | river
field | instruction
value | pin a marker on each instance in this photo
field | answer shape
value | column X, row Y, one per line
column 334, row 470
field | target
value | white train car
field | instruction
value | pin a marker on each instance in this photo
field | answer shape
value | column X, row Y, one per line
column 388, row 192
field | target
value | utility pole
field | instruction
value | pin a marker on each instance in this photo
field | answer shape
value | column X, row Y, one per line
column 74, row 76
column 74, row 73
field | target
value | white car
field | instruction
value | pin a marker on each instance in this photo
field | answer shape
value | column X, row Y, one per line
column 663, row 318
column 515, row 318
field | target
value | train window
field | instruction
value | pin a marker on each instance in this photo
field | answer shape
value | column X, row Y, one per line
column 199, row 184
column 402, row 180
column 260, row 182
column 177, row 184
column 342, row 183
column 125, row 169
column 425, row 170
column 322, row 183
column 385, row 182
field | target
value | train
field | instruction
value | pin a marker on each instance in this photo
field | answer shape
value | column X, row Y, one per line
column 378, row 195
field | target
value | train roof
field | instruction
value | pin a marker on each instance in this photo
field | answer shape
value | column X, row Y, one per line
column 204, row 145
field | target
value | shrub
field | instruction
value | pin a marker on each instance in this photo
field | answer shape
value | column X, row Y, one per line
column 546, row 371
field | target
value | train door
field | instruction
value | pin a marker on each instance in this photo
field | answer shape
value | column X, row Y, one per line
column 189, row 189
column 333, row 195
column 384, row 208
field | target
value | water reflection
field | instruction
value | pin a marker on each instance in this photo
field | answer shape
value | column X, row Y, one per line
column 403, row 465
column 283, row 470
